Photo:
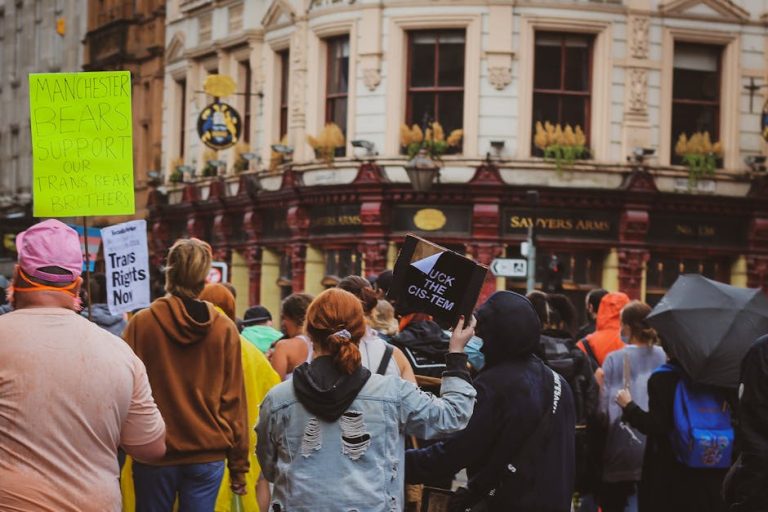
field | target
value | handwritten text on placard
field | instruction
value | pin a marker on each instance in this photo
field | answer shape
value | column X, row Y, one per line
column 82, row 143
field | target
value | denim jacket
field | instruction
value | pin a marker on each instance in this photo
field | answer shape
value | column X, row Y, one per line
column 356, row 463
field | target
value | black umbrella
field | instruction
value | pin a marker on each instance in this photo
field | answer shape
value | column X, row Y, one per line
column 709, row 326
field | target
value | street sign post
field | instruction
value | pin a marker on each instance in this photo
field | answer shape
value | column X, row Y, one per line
column 218, row 272
column 503, row 267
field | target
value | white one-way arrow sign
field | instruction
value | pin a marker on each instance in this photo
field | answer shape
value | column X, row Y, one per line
column 503, row 267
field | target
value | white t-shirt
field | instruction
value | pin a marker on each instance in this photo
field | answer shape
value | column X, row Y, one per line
column 70, row 393
column 372, row 349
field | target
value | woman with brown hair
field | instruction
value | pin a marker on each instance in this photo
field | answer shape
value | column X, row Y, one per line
column 336, row 426
column 377, row 355
column 296, row 348
column 627, row 369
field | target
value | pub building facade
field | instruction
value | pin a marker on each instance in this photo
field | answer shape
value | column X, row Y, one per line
column 632, row 76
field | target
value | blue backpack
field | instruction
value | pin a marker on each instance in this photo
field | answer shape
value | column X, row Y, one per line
column 703, row 434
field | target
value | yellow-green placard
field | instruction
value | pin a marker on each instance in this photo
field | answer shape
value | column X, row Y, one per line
column 82, row 144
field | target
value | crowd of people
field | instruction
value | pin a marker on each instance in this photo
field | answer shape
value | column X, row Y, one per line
column 350, row 403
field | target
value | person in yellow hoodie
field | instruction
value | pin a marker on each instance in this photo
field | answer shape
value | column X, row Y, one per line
column 259, row 378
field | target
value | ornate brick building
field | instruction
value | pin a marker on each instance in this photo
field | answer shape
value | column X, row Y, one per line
column 130, row 35
column 36, row 36
column 631, row 75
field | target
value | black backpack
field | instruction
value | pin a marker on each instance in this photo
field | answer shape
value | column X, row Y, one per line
column 571, row 363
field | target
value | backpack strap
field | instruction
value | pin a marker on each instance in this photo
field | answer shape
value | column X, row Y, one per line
column 590, row 353
column 382, row 369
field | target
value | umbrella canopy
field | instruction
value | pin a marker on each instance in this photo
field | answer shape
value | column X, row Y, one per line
column 709, row 326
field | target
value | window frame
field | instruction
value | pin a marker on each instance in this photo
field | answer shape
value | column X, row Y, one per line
column 562, row 93
column 284, row 59
column 715, row 134
column 730, row 96
column 245, row 65
column 330, row 98
column 182, row 88
column 436, row 89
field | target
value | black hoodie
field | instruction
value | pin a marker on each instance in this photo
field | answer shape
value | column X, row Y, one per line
column 325, row 391
column 514, row 390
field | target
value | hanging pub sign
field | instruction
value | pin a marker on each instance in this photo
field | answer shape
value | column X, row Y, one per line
column 764, row 121
column 219, row 126
column 431, row 279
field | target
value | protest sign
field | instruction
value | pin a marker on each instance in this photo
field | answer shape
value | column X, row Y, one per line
column 431, row 279
column 82, row 146
column 127, row 266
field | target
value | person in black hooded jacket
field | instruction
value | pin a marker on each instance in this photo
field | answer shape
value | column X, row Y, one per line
column 746, row 487
column 514, row 445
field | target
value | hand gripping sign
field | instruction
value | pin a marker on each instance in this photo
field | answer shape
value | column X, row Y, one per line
column 431, row 279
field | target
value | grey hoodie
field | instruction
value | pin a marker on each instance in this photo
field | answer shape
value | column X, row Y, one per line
column 101, row 316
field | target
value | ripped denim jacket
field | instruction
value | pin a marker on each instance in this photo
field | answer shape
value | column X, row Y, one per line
column 356, row 463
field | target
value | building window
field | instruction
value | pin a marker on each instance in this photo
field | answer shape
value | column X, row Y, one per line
column 562, row 81
column 340, row 263
column 246, row 77
column 337, row 84
column 663, row 271
column 181, row 93
column 436, row 78
column 285, row 66
column 695, row 92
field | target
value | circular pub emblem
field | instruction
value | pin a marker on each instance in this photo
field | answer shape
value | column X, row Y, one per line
column 219, row 126
column 429, row 219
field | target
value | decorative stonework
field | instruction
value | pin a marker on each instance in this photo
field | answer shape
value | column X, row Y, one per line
column 757, row 271
column 205, row 28
column 316, row 4
column 371, row 78
column 638, row 36
column 374, row 255
column 298, row 75
column 638, row 90
column 236, row 18
column 499, row 77
column 631, row 266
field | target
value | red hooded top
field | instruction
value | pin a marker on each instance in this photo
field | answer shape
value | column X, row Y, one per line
column 607, row 335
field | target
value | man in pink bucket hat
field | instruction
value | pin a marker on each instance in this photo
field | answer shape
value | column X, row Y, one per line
column 72, row 392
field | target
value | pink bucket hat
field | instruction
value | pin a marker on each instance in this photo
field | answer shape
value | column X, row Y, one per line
column 50, row 243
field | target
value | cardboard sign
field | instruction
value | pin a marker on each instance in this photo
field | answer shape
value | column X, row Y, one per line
column 127, row 266
column 431, row 279
column 82, row 145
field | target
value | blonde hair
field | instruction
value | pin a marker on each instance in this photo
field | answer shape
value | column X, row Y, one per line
column 383, row 318
column 187, row 267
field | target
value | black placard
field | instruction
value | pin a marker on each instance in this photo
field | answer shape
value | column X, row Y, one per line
column 697, row 230
column 431, row 279
column 562, row 223
column 335, row 219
